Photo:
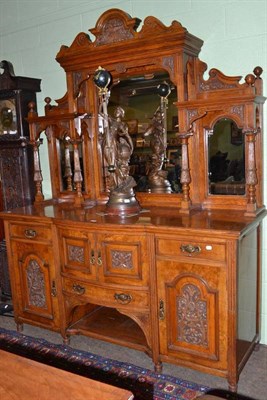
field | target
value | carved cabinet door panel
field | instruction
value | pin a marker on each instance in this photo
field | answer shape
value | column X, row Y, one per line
column 34, row 284
column 192, row 306
column 78, row 256
column 123, row 258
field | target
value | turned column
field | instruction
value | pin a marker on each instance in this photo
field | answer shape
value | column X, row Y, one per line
column 185, row 174
column 77, row 176
column 251, row 171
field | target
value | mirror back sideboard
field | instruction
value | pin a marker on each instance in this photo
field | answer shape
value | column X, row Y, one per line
column 169, row 277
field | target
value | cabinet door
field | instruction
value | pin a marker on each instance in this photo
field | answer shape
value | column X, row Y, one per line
column 34, row 284
column 123, row 259
column 77, row 253
column 192, row 306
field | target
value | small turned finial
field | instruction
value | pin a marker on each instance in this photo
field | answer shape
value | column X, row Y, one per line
column 31, row 107
column 250, row 79
column 258, row 71
column 47, row 100
column 48, row 105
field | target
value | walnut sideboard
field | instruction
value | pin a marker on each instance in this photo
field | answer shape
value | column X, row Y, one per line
column 183, row 289
column 152, row 236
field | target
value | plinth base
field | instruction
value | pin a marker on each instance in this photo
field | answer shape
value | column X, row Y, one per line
column 162, row 186
column 122, row 204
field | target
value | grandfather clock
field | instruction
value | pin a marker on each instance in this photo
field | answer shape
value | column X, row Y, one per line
column 16, row 156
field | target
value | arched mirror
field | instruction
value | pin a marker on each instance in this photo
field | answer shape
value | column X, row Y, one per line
column 226, row 160
column 138, row 96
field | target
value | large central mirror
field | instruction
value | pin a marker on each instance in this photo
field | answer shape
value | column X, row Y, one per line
column 156, row 153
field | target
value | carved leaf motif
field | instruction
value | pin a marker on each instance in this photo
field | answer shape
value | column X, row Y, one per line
column 192, row 316
column 76, row 253
column 168, row 62
column 191, row 114
column 36, row 284
column 114, row 26
column 113, row 31
column 238, row 110
column 122, row 259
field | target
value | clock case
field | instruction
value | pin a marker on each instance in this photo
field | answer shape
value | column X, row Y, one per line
column 16, row 154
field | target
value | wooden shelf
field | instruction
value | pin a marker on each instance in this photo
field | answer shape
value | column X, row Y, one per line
column 110, row 325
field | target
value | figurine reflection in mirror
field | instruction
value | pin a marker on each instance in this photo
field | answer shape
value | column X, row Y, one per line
column 157, row 177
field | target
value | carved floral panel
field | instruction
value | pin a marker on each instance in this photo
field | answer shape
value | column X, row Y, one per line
column 192, row 321
column 122, row 259
column 76, row 253
column 36, row 284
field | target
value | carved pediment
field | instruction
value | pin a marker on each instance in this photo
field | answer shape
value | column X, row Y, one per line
column 114, row 26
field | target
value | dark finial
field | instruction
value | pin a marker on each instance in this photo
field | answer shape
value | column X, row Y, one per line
column 48, row 106
column 31, row 107
column 258, row 71
column 7, row 67
column 47, row 100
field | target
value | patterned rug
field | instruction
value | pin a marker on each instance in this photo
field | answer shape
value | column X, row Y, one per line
column 143, row 383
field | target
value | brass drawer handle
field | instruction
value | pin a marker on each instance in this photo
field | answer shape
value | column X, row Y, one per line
column 30, row 233
column 123, row 298
column 190, row 249
column 78, row 288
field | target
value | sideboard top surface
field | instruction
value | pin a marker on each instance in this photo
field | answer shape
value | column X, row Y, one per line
column 150, row 220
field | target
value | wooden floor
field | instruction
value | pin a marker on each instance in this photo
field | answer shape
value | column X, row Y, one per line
column 24, row 379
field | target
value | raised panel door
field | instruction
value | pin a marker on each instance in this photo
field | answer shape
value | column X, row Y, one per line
column 123, row 259
column 78, row 254
column 34, row 284
column 192, row 306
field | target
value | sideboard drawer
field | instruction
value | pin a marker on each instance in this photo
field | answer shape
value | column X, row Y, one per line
column 191, row 247
column 110, row 297
column 31, row 232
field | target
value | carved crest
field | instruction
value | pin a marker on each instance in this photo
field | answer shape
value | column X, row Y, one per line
column 114, row 26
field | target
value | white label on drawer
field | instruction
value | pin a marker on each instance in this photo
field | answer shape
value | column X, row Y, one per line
column 209, row 247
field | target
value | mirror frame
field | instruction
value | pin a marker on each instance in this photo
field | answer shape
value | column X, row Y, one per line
column 125, row 51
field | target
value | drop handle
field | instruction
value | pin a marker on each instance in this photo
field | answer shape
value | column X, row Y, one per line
column 78, row 288
column 123, row 298
column 92, row 258
column 30, row 233
column 99, row 258
column 190, row 249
